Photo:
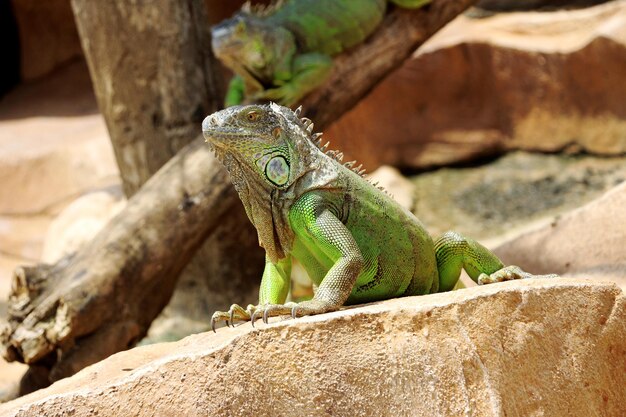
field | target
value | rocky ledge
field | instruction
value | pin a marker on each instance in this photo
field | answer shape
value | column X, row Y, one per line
column 534, row 347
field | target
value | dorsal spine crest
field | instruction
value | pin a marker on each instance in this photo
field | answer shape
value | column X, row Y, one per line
column 260, row 10
column 316, row 139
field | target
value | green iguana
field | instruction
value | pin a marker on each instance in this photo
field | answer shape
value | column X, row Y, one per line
column 356, row 243
column 283, row 52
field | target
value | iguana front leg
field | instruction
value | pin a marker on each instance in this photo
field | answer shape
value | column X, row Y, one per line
column 326, row 237
column 235, row 94
column 411, row 4
column 309, row 72
column 455, row 252
column 274, row 289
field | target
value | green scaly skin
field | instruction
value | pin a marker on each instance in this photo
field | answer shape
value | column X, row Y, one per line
column 283, row 53
column 356, row 243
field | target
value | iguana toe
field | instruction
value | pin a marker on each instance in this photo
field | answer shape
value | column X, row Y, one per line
column 217, row 317
column 312, row 307
column 270, row 310
column 509, row 273
column 235, row 313
column 304, row 308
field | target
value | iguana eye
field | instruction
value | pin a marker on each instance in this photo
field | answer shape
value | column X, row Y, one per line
column 277, row 170
column 240, row 29
column 253, row 116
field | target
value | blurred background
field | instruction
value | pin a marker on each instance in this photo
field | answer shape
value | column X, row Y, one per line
column 510, row 117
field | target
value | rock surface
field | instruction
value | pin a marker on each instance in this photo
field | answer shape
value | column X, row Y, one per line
column 53, row 148
column 544, row 81
column 589, row 241
column 505, row 349
column 53, row 144
column 518, row 192
column 79, row 222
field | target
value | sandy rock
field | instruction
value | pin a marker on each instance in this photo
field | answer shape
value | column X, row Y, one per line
column 21, row 236
column 589, row 241
column 53, row 148
column 79, row 222
column 48, row 156
column 10, row 375
column 505, row 349
column 545, row 81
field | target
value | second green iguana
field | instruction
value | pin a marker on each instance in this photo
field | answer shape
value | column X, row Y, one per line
column 356, row 243
column 283, row 52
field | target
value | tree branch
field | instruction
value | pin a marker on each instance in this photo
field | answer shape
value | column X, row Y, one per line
column 356, row 72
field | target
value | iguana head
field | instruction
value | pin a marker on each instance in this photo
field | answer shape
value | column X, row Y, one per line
column 271, row 156
column 257, row 51
column 262, row 142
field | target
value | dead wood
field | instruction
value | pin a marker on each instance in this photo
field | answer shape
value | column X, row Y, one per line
column 103, row 298
column 154, row 77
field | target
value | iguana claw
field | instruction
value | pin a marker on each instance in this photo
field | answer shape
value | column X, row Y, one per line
column 234, row 313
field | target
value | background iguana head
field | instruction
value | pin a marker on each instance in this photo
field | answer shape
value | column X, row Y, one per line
column 255, row 50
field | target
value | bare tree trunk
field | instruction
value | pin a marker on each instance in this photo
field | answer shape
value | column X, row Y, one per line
column 101, row 300
column 154, row 77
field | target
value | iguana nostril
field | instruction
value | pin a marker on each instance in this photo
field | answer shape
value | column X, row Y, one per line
column 209, row 122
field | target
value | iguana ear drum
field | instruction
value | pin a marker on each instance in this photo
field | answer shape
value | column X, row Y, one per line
column 277, row 170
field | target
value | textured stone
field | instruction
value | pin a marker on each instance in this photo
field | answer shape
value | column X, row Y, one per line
column 536, row 347
column 53, row 148
column 546, row 81
column 498, row 201
column 588, row 241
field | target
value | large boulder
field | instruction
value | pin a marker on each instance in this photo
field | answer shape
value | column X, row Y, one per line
column 533, row 347
column 48, row 157
column 79, row 222
column 589, row 241
column 541, row 81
